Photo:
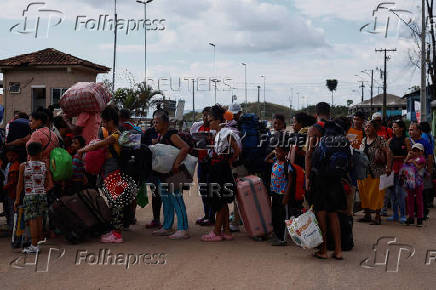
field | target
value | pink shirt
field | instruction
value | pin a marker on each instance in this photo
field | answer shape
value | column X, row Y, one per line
column 90, row 122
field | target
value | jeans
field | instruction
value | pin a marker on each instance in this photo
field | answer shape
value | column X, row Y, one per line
column 173, row 202
column 397, row 195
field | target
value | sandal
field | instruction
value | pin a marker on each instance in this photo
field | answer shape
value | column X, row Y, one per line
column 376, row 222
column 227, row 237
column 337, row 258
column 212, row 237
column 318, row 256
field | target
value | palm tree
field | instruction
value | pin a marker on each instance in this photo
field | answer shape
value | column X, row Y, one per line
column 145, row 94
column 137, row 99
column 332, row 85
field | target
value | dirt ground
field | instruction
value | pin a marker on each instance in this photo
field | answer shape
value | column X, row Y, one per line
column 239, row 264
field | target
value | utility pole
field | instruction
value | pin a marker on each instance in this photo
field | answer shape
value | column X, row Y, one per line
column 423, row 92
column 115, row 45
column 384, row 78
column 145, row 38
column 372, row 87
column 362, row 86
column 258, row 100
column 193, row 102
column 246, row 98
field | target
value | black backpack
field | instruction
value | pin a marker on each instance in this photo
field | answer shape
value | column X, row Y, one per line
column 255, row 139
column 332, row 155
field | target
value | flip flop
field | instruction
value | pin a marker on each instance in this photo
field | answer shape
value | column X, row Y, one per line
column 316, row 255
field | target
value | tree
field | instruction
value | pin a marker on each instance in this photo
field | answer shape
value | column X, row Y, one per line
column 138, row 98
column 415, row 53
column 332, row 85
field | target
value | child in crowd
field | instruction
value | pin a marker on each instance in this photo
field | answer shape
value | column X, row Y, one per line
column 10, row 184
column 79, row 179
column 280, row 187
column 417, row 159
column 33, row 179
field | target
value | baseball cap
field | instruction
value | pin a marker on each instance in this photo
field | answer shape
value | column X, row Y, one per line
column 418, row 146
column 376, row 115
column 235, row 108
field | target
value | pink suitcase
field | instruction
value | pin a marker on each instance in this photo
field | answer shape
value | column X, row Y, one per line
column 254, row 206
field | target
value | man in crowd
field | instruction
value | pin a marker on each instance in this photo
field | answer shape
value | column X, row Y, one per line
column 383, row 131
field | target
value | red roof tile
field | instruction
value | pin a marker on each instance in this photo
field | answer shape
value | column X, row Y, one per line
column 49, row 56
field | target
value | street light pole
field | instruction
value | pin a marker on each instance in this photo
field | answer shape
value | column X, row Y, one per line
column 246, row 98
column 214, row 80
column 423, row 92
column 145, row 38
column 264, row 99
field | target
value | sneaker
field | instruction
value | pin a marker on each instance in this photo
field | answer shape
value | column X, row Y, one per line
column 419, row 223
column 410, row 221
column 31, row 250
column 392, row 218
column 234, row 228
column 112, row 238
column 153, row 225
column 179, row 235
column 200, row 221
column 163, row 232
column 403, row 219
column 384, row 212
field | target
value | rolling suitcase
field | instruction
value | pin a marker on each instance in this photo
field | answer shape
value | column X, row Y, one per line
column 254, row 206
column 66, row 221
column 97, row 206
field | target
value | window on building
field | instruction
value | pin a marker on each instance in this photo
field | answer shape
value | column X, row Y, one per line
column 14, row 88
column 56, row 94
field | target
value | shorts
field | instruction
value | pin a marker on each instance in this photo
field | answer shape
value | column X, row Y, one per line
column 35, row 206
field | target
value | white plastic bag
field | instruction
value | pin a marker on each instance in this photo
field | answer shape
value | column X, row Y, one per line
column 386, row 181
column 304, row 230
column 164, row 156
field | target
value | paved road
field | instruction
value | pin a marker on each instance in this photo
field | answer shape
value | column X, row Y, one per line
column 243, row 263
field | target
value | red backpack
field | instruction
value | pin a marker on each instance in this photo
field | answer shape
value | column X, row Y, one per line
column 299, row 182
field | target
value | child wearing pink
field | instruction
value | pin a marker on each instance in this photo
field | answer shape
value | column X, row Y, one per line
column 417, row 159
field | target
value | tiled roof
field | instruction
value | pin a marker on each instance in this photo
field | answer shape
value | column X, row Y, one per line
column 391, row 100
column 49, row 56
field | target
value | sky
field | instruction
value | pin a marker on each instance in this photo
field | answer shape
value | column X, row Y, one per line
column 296, row 44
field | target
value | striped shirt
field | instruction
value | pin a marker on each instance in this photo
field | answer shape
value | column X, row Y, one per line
column 78, row 168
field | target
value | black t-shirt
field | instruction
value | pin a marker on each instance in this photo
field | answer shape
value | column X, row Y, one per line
column 398, row 146
column 149, row 135
column 166, row 139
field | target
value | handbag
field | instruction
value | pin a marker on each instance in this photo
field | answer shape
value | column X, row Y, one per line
column 119, row 189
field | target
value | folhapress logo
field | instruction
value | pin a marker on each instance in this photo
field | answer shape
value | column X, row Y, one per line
column 37, row 19
column 388, row 252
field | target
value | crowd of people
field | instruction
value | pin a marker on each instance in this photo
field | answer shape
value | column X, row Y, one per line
column 319, row 162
